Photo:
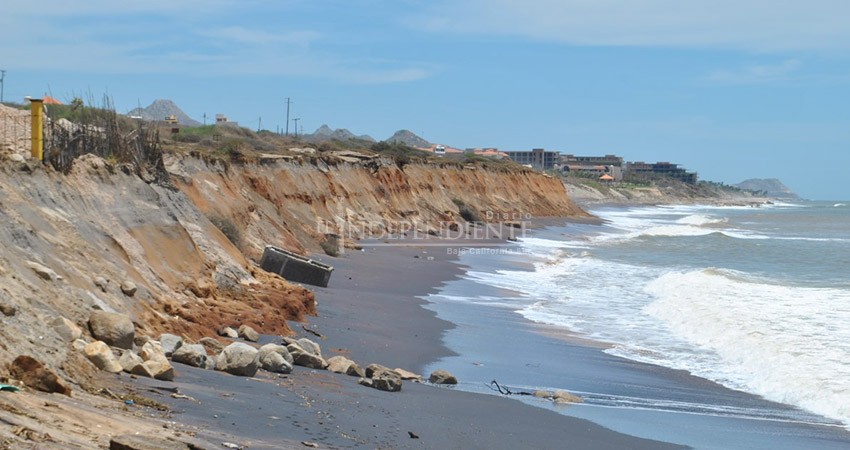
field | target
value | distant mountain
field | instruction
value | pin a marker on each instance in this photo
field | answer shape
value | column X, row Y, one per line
column 407, row 137
column 162, row 108
column 771, row 186
column 325, row 133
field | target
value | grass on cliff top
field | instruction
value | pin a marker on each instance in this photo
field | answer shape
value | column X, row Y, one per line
column 237, row 144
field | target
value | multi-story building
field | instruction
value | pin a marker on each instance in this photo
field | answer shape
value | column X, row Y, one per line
column 607, row 160
column 537, row 158
column 640, row 170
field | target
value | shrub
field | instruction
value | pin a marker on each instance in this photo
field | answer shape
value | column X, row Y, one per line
column 468, row 214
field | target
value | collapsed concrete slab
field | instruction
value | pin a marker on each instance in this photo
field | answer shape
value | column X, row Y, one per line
column 295, row 267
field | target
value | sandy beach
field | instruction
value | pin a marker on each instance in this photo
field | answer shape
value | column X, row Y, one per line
column 371, row 313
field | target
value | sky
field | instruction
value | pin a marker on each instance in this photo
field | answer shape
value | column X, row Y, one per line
column 730, row 89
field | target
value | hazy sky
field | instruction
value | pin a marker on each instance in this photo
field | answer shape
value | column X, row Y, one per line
column 730, row 89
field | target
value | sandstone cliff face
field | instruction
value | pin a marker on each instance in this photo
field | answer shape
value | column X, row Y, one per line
column 100, row 221
column 292, row 204
column 68, row 241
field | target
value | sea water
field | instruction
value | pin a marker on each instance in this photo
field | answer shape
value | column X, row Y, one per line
column 756, row 299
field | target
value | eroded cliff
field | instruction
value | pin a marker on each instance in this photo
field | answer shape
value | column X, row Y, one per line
column 292, row 204
column 69, row 241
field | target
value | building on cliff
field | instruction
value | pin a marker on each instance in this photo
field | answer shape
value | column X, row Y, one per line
column 537, row 158
column 596, row 166
column 641, row 171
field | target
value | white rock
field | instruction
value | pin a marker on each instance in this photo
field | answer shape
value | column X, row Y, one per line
column 238, row 359
column 99, row 353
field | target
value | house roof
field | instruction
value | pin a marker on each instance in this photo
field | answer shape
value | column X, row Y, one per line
column 48, row 100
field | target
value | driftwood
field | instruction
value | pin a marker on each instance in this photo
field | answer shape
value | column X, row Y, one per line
column 313, row 332
column 504, row 389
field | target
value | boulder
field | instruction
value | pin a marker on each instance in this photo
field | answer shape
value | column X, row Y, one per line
column 155, row 369
column 310, row 346
column 129, row 361
column 227, row 332
column 562, row 397
column 304, row 358
column 101, row 282
column 441, row 376
column 274, row 362
column 355, row 370
column 238, row 359
column 128, row 288
column 67, row 330
column 99, row 353
column 283, row 351
column 170, row 343
column 44, row 272
column 194, row 355
column 145, row 442
column 212, row 345
column 376, row 370
column 248, row 333
column 35, row 375
column 152, row 351
column 407, row 375
column 140, row 340
column 112, row 328
column 339, row 364
column 387, row 382
column 383, row 378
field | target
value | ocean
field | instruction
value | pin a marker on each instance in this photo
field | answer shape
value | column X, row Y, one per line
column 754, row 299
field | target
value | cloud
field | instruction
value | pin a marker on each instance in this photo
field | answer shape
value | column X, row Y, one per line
column 244, row 35
column 220, row 37
column 752, row 25
column 756, row 73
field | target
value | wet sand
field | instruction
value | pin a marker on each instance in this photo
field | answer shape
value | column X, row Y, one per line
column 371, row 313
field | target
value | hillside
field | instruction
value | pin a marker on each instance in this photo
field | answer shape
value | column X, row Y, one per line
column 771, row 187
column 162, row 108
column 324, row 133
column 408, row 138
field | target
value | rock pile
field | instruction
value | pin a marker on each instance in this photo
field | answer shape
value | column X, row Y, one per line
column 116, row 349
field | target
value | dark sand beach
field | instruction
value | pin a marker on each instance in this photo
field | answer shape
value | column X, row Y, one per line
column 371, row 313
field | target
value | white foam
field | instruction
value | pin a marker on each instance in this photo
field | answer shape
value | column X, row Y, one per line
column 788, row 344
column 701, row 220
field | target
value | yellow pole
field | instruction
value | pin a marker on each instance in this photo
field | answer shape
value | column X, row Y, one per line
column 37, row 115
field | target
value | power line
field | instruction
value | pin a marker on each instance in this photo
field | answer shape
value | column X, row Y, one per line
column 288, row 101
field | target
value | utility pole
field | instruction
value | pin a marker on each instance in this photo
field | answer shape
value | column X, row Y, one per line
column 2, row 82
column 260, row 125
column 296, row 125
column 205, row 119
column 288, row 101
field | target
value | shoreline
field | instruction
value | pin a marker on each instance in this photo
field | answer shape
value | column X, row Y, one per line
column 372, row 312
column 612, row 382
